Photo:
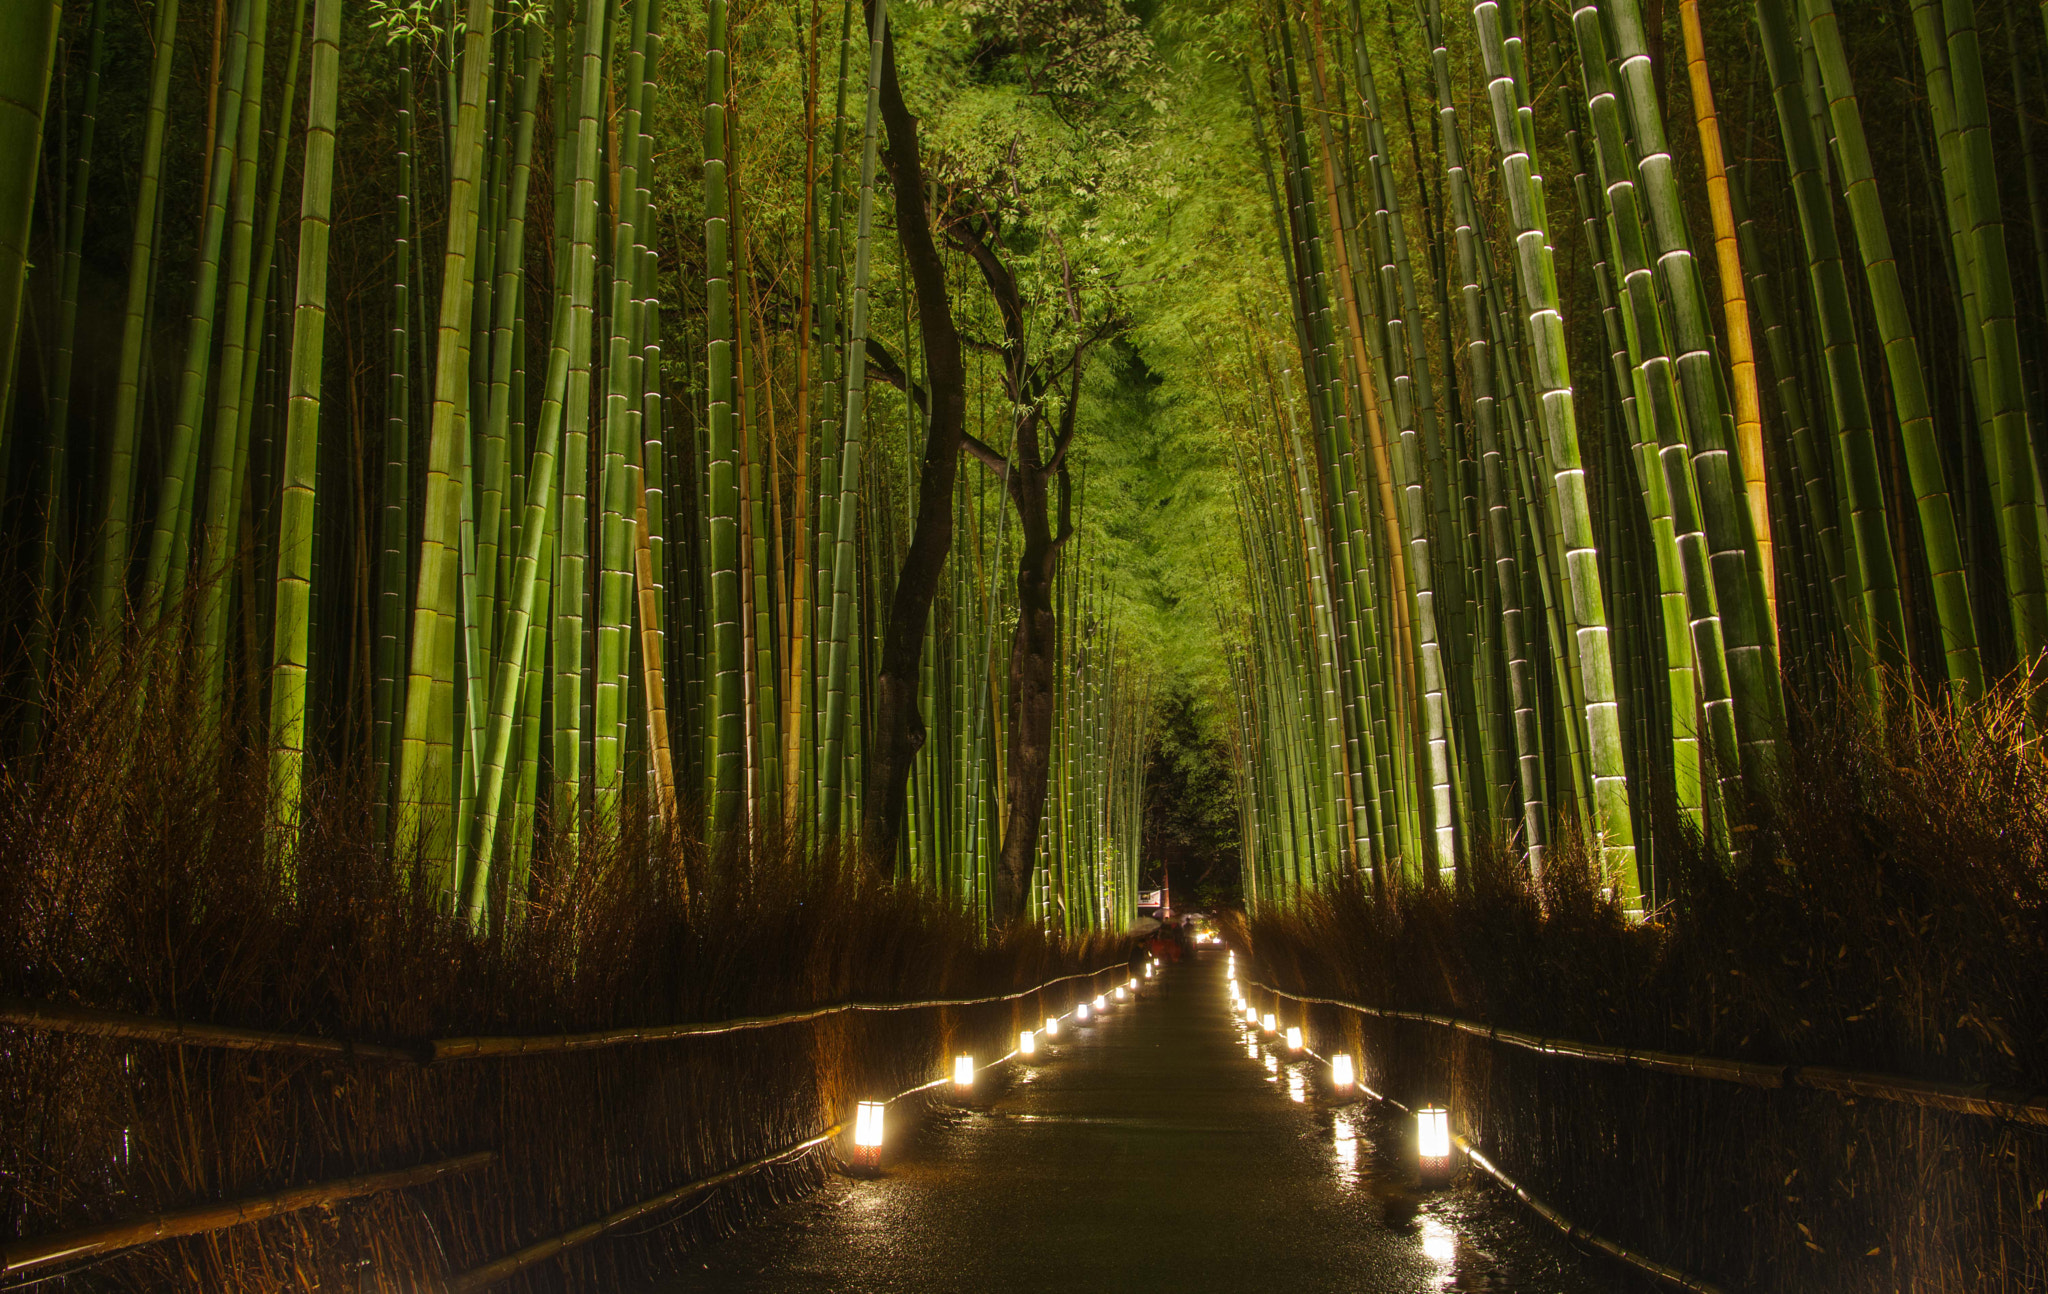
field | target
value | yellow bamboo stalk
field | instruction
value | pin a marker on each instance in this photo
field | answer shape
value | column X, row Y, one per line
column 650, row 660
column 1749, row 425
column 1365, row 387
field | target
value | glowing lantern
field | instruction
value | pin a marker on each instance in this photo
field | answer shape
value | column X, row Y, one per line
column 1433, row 1136
column 1052, row 1026
column 1081, row 1011
column 1100, row 1002
column 1266, row 1022
column 1119, row 992
column 1251, row 1015
column 1148, row 970
column 1133, row 983
column 1027, row 1043
column 963, row 1071
column 1294, row 1037
column 867, row 1129
column 1340, row 1071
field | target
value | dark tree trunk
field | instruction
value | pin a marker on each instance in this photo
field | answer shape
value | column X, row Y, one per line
column 1032, row 651
column 898, row 727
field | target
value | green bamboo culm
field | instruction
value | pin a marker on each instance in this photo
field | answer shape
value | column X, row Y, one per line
column 43, row 627
column 164, row 571
column 568, row 351
column 1876, row 623
column 841, row 647
column 725, row 758
column 1989, row 269
column 1536, row 273
column 28, row 51
column 572, row 527
column 618, row 528
column 228, row 440
column 294, row 588
column 388, row 655
column 427, row 752
column 110, row 567
column 1926, row 474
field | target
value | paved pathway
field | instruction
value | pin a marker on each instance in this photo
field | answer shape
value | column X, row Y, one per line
column 1157, row 1148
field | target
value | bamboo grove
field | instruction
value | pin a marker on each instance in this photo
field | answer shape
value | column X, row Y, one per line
column 491, row 412
column 1614, row 408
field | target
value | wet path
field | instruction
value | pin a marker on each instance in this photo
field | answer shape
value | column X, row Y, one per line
column 1158, row 1148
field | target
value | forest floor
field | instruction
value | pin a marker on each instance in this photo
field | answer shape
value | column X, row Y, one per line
column 1160, row 1146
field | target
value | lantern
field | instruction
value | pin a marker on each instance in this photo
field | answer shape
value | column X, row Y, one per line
column 1294, row 1037
column 1027, row 1043
column 1340, row 1071
column 1148, row 970
column 1052, row 1025
column 867, row 1130
column 1251, row 1015
column 1266, row 1022
column 1134, row 982
column 1433, row 1137
column 1119, row 992
column 1081, row 1011
column 1101, row 1002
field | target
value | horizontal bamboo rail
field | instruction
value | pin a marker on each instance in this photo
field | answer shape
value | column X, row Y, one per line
column 91, row 1242
column 1574, row 1231
column 444, row 1049
column 540, row 1250
column 94, row 1022
column 1984, row 1099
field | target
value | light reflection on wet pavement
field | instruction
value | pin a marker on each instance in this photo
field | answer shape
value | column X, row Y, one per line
column 1162, row 1145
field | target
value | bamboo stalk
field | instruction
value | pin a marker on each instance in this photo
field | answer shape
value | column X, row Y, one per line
column 1749, row 427
column 294, row 585
column 28, row 51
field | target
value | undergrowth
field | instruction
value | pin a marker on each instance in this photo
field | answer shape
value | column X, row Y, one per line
column 138, row 873
column 1887, row 912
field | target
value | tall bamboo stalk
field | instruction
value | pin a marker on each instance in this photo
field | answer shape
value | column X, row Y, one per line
column 302, row 431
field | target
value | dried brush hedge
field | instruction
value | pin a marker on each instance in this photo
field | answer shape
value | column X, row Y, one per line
column 1891, row 916
column 134, row 875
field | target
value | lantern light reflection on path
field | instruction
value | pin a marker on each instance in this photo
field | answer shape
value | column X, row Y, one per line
column 869, row 1115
